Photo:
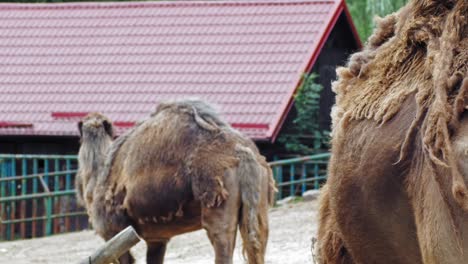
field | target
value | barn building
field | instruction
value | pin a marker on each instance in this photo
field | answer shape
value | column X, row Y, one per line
column 61, row 61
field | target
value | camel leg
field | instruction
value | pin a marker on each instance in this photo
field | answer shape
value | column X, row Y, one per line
column 126, row 258
column 155, row 252
column 221, row 222
column 221, row 227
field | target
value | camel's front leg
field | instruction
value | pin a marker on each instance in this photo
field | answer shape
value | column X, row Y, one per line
column 221, row 222
column 126, row 258
column 155, row 252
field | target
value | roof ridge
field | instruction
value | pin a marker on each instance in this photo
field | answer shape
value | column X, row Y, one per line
column 145, row 4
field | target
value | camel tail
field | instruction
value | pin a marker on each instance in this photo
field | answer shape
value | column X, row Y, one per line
column 254, row 210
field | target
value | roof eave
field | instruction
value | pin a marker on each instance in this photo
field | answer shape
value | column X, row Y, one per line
column 340, row 9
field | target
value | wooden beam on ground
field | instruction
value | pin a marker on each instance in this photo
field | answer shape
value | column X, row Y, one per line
column 114, row 248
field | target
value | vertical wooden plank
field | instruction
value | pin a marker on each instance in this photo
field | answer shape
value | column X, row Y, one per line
column 292, row 172
column 34, row 201
column 24, row 171
column 12, row 193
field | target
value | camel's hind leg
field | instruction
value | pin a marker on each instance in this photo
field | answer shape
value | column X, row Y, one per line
column 220, row 222
column 256, row 191
column 155, row 252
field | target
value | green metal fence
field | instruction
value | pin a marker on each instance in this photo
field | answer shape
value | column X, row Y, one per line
column 295, row 176
column 37, row 196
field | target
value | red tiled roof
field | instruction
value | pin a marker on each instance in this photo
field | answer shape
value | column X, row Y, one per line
column 61, row 61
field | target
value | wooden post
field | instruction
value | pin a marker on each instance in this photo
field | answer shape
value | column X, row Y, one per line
column 114, row 248
column 314, row 251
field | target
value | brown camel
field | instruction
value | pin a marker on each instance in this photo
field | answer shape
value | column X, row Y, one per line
column 397, row 188
column 181, row 170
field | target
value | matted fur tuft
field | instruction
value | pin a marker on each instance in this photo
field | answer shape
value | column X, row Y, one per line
column 421, row 50
column 204, row 114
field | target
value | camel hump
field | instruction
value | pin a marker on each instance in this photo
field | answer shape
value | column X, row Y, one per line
column 188, row 136
column 204, row 114
column 167, row 124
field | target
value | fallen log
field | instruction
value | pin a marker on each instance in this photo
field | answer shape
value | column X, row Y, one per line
column 114, row 248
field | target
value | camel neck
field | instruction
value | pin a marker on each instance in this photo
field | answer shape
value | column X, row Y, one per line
column 92, row 154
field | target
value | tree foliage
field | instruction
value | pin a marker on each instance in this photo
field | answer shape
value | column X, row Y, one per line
column 364, row 11
column 306, row 137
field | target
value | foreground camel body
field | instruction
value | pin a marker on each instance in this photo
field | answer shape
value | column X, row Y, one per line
column 398, row 174
column 181, row 170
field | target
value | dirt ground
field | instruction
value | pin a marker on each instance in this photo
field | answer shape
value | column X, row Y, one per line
column 291, row 229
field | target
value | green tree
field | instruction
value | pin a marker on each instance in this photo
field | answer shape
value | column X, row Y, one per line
column 364, row 11
column 305, row 137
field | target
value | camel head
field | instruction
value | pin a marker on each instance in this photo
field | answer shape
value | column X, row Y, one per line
column 94, row 126
column 96, row 137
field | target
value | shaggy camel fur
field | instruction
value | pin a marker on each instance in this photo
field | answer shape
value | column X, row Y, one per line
column 397, row 188
column 181, row 170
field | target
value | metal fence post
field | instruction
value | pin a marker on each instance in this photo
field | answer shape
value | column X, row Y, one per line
column 34, row 202
column 56, row 199
column 292, row 173
column 24, row 186
column 3, row 194
column 12, row 193
column 279, row 178
column 303, row 176
column 48, row 229
column 68, row 186
column 316, row 176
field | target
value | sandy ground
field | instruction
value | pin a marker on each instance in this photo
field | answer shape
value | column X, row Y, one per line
column 291, row 229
